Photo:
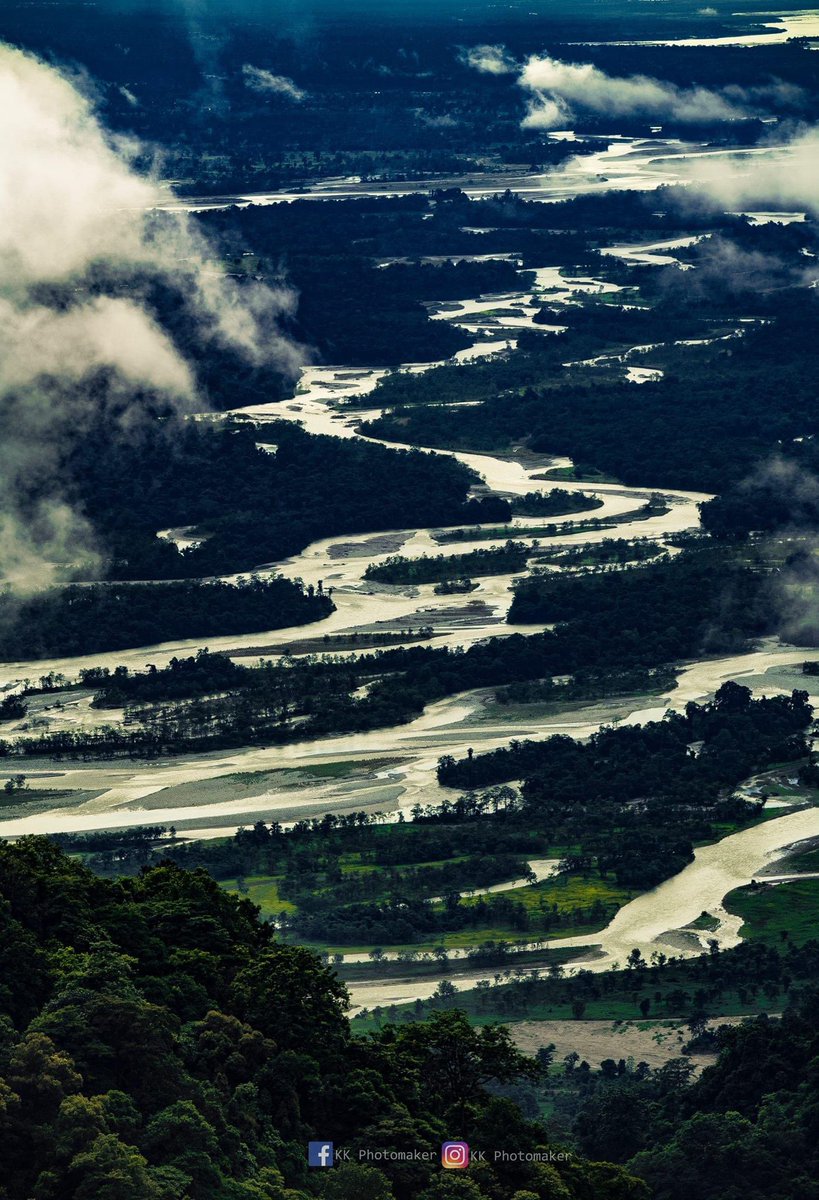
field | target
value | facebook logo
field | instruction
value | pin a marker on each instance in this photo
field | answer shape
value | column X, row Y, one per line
column 320, row 1154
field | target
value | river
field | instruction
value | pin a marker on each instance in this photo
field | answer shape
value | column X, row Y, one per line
column 212, row 793
column 391, row 770
column 622, row 163
column 774, row 29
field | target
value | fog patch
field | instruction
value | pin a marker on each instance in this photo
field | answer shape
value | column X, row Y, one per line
column 721, row 266
column 557, row 88
column 789, row 488
column 74, row 213
column 784, row 177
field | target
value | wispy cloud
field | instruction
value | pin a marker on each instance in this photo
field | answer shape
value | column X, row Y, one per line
column 558, row 89
column 257, row 79
column 565, row 86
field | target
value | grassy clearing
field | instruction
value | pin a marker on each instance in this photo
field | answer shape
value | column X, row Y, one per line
column 329, row 770
column 353, row 863
column 262, row 890
column 568, row 892
column 603, row 710
column 705, row 921
column 802, row 862
column 773, row 913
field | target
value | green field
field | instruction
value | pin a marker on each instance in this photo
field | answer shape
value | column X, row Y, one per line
column 262, row 890
column 569, row 892
column 776, row 912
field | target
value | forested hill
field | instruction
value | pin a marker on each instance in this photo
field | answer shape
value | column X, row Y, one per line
column 156, row 1043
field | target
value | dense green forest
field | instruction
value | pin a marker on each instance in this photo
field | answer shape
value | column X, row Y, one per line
column 161, row 1045
column 87, row 620
column 252, row 507
column 744, row 1126
column 705, row 430
column 782, row 494
column 554, row 503
column 636, row 602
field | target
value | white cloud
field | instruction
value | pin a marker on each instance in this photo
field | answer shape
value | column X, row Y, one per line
column 547, row 112
column 557, row 87
column 491, row 60
column 99, row 333
column 260, row 80
column 71, row 205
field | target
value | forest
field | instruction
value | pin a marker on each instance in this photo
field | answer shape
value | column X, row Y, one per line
column 553, row 503
column 704, row 431
column 87, row 620
column 742, row 1126
column 496, row 560
column 161, row 1043
column 781, row 495
column 251, row 507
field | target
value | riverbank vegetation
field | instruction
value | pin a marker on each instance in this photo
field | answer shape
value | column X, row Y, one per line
column 655, row 506
column 688, row 429
column 498, row 560
column 634, row 801
column 250, row 507
column 777, row 912
column 611, row 552
column 554, row 503
column 610, row 623
column 102, row 617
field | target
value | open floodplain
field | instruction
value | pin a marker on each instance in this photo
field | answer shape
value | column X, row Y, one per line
column 409, row 600
column 387, row 773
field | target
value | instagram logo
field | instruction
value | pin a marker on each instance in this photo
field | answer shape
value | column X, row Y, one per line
column 455, row 1155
